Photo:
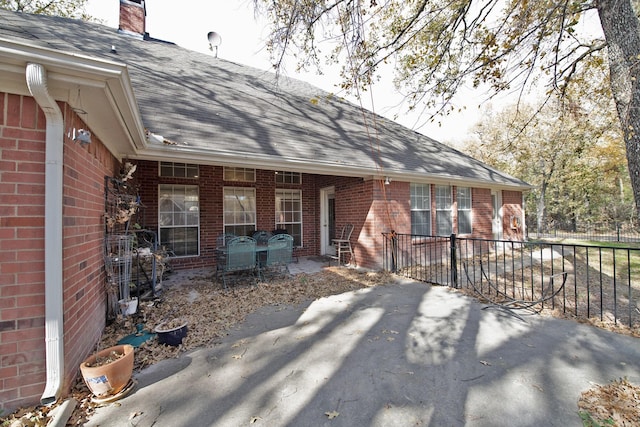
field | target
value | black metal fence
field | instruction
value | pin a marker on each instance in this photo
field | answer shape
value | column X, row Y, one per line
column 601, row 283
column 599, row 232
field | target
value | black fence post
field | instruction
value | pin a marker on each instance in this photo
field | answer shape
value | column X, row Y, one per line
column 394, row 251
column 454, row 262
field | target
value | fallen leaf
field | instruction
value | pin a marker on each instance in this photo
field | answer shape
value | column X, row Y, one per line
column 332, row 414
column 485, row 363
column 239, row 344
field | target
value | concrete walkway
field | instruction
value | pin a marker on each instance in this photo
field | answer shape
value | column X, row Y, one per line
column 406, row 354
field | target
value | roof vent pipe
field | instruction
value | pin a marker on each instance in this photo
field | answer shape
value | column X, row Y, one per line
column 54, row 328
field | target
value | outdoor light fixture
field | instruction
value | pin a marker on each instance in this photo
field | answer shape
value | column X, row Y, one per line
column 80, row 135
column 387, row 180
column 83, row 136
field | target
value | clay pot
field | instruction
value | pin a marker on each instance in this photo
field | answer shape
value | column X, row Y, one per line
column 109, row 378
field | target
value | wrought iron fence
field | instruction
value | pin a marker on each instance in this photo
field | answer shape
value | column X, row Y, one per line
column 601, row 282
column 597, row 232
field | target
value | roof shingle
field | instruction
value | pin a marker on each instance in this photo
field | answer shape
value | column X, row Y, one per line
column 220, row 109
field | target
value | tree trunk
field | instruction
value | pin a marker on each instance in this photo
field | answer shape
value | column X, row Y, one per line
column 622, row 33
column 541, row 208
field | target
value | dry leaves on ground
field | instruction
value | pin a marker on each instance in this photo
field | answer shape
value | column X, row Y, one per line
column 210, row 311
column 614, row 404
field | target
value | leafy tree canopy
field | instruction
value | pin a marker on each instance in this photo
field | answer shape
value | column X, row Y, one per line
column 66, row 8
column 438, row 47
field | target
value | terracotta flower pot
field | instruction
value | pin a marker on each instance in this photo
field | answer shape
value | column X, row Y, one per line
column 108, row 378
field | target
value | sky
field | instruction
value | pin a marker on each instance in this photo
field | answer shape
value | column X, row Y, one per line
column 187, row 23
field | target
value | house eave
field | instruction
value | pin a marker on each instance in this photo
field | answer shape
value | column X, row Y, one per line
column 198, row 155
column 99, row 88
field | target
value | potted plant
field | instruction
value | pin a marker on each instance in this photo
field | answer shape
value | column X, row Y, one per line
column 172, row 332
column 108, row 371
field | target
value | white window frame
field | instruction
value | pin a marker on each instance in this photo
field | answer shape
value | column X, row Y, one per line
column 444, row 211
column 236, row 174
column 420, row 200
column 286, row 177
column 178, row 170
column 183, row 214
column 289, row 219
column 464, row 206
column 239, row 210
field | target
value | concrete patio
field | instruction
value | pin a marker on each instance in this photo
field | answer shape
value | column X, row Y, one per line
column 405, row 354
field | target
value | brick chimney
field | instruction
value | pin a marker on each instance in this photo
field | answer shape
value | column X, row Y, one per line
column 132, row 17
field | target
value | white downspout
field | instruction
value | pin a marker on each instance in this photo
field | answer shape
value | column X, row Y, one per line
column 54, row 326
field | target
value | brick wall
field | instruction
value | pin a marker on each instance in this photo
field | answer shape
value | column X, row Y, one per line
column 482, row 211
column 85, row 168
column 210, row 189
column 390, row 210
column 22, row 190
column 371, row 206
column 132, row 16
column 512, row 214
column 353, row 201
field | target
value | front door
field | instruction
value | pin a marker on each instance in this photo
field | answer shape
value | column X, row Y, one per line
column 327, row 220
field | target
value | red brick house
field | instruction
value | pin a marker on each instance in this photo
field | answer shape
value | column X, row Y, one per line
column 218, row 147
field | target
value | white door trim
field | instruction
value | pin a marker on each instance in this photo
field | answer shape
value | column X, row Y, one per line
column 326, row 248
column 496, row 222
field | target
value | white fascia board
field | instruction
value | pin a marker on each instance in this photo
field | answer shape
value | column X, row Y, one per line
column 203, row 156
column 69, row 72
column 197, row 155
column 426, row 178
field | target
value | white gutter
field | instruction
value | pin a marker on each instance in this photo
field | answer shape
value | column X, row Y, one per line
column 201, row 155
column 54, row 327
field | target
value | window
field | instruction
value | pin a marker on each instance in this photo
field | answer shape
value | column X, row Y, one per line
column 179, row 218
column 421, row 209
column 178, row 170
column 239, row 174
column 283, row 177
column 239, row 211
column 464, row 210
column 444, row 226
column 289, row 213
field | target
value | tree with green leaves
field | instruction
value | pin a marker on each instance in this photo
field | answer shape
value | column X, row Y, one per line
column 66, row 8
column 575, row 164
column 438, row 47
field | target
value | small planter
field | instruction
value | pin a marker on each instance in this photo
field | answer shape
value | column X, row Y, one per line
column 171, row 333
column 109, row 371
column 128, row 307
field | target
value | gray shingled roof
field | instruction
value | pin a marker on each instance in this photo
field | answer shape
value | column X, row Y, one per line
column 223, row 110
